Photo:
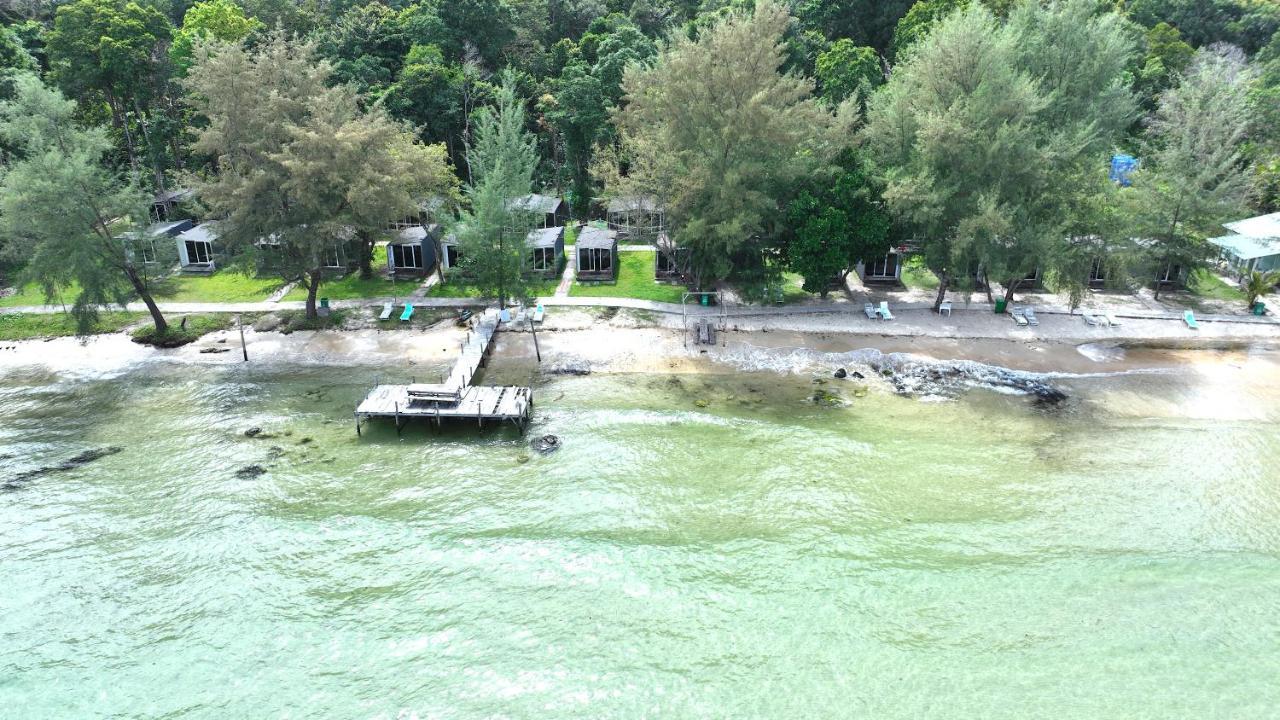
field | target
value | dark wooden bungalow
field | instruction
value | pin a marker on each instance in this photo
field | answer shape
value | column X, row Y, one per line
column 548, row 211
column 636, row 218
column 413, row 252
column 545, row 250
column 597, row 254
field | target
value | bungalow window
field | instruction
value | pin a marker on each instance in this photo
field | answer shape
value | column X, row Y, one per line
column 1170, row 273
column 146, row 250
column 199, row 252
column 330, row 259
column 544, row 258
column 595, row 260
column 1097, row 272
column 885, row 267
column 407, row 256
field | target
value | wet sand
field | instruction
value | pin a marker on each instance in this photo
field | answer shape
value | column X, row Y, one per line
column 622, row 345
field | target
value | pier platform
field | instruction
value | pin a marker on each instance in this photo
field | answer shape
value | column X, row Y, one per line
column 454, row 398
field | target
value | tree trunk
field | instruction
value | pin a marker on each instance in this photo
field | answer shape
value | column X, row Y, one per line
column 157, row 317
column 366, row 254
column 1009, row 287
column 121, row 121
column 312, row 281
column 944, row 280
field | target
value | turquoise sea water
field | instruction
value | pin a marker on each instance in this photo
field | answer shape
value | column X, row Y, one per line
column 762, row 556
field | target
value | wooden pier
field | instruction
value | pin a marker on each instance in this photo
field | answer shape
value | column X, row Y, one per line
column 454, row 398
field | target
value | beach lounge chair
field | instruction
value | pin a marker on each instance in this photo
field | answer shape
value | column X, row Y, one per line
column 408, row 312
column 884, row 310
column 1089, row 319
column 945, row 308
column 1019, row 317
column 1112, row 320
column 870, row 310
column 1189, row 318
column 1031, row 317
column 386, row 311
column 538, row 313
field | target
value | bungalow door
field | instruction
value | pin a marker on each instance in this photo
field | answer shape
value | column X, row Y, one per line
column 408, row 257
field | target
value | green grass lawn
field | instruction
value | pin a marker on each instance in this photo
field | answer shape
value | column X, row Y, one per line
column 571, row 235
column 221, row 287
column 33, row 295
column 352, row 287
column 918, row 277
column 635, row 280
column 24, row 326
column 1205, row 284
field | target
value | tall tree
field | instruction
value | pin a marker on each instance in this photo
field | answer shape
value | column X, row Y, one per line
column 845, row 69
column 1077, row 57
column 113, row 50
column 297, row 160
column 834, row 223
column 502, row 158
column 62, row 211
column 955, row 134
column 578, row 113
column 1193, row 175
column 718, row 134
column 212, row 19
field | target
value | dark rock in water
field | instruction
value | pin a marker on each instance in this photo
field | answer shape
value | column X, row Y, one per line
column 546, row 444
column 1047, row 395
column 253, row 432
column 305, row 441
column 841, row 374
column 84, row 458
column 248, row 472
column 570, row 369
column 859, row 375
column 212, row 350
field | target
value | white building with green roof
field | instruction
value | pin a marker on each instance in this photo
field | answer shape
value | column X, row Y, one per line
column 1254, row 244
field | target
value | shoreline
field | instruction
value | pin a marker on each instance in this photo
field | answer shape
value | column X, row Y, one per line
column 583, row 340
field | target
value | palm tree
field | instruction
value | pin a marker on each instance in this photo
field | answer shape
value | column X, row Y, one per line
column 1257, row 284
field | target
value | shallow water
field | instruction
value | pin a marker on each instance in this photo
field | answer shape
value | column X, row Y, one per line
column 762, row 556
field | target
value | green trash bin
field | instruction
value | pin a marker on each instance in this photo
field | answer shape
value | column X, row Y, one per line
column 324, row 303
column 1001, row 304
column 706, row 299
column 1259, row 308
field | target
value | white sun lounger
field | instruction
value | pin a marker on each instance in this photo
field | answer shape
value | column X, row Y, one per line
column 1031, row 317
column 1089, row 319
column 1019, row 317
column 884, row 310
column 386, row 311
column 537, row 313
column 1112, row 320
column 870, row 310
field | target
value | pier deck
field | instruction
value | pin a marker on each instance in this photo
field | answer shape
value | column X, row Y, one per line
column 455, row 398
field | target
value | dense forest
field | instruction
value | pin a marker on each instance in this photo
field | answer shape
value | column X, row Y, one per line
column 803, row 137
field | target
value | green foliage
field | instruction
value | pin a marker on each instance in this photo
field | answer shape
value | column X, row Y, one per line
column 1167, row 57
column 719, row 135
column 835, row 222
column 845, row 69
column 492, row 232
column 1192, row 179
column 299, row 161
column 1256, row 284
column 189, row 329
column 224, row 286
column 920, row 20
column 212, row 19
column 14, row 59
column 863, row 22
column 578, row 112
column 1247, row 23
column 58, row 204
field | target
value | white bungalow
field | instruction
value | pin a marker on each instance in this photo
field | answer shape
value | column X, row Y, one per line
column 1254, row 244
column 197, row 249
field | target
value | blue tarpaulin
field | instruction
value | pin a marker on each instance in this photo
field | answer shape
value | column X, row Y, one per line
column 1121, row 166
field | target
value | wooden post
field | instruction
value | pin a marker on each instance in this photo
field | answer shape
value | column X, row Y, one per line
column 537, row 351
column 357, row 424
column 397, row 407
column 244, row 350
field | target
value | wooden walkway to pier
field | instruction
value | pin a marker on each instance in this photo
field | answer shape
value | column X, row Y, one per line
column 454, row 398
